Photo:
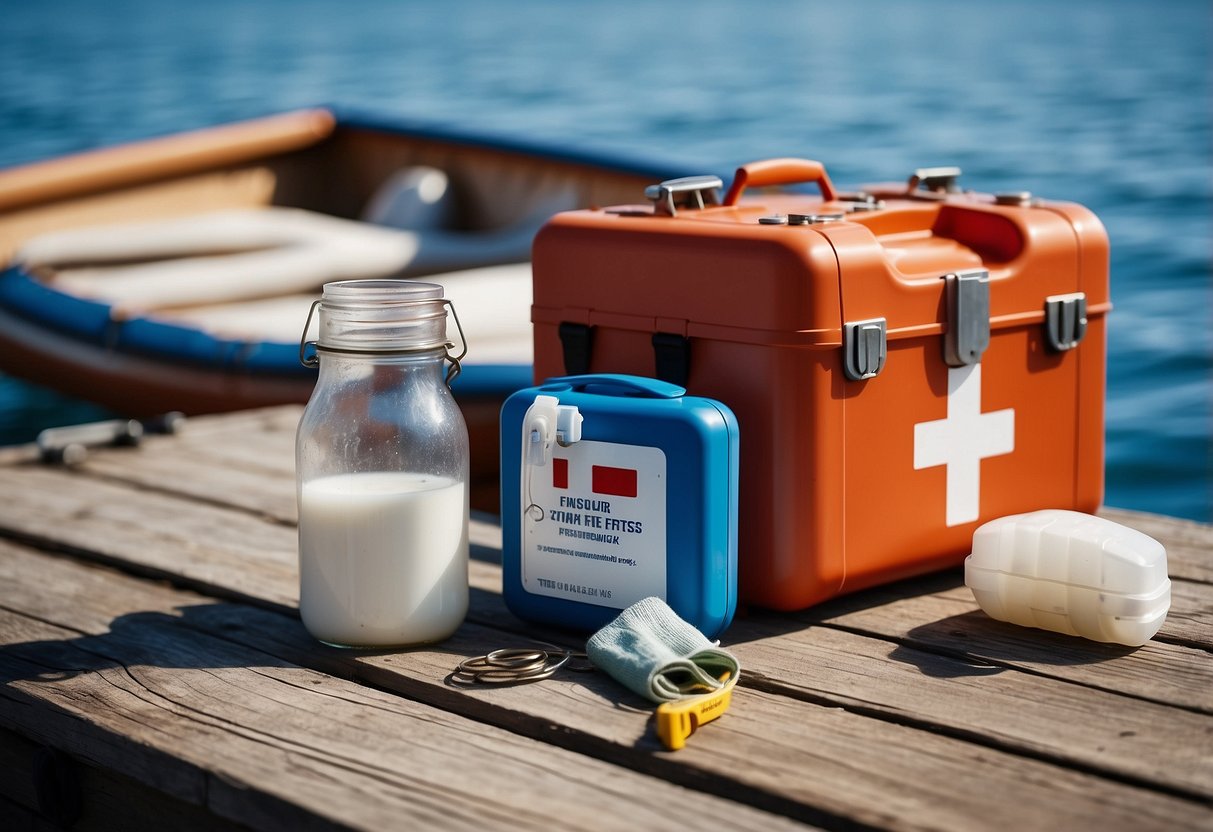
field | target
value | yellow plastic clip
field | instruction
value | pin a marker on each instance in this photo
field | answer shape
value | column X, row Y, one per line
column 678, row 720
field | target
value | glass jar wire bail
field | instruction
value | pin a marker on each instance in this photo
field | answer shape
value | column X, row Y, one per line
column 311, row 359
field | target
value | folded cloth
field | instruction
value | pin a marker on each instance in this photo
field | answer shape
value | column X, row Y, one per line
column 651, row 651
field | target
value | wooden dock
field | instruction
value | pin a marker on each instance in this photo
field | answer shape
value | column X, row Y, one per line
column 156, row 676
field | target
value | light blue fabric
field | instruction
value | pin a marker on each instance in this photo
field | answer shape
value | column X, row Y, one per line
column 653, row 652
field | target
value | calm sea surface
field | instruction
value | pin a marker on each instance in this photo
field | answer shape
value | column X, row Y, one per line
column 1101, row 102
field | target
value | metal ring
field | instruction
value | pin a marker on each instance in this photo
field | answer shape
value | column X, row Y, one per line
column 522, row 661
column 507, row 677
column 511, row 665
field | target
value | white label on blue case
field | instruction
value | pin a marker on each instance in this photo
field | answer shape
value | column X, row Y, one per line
column 594, row 524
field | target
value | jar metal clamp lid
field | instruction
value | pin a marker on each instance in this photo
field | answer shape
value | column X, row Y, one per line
column 382, row 317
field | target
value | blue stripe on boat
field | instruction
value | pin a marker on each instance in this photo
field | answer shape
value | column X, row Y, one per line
column 21, row 294
column 90, row 321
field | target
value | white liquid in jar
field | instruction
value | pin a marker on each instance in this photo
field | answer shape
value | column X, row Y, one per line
column 383, row 558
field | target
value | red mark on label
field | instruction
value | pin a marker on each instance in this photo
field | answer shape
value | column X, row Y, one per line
column 618, row 482
column 560, row 473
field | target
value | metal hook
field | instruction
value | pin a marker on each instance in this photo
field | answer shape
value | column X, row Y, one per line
column 456, row 368
column 312, row 360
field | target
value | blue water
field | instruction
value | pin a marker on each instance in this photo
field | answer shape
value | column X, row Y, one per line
column 1102, row 102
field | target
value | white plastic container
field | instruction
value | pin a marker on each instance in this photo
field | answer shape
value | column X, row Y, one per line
column 1071, row 573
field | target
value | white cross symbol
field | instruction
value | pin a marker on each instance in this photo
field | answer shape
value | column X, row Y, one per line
column 962, row 441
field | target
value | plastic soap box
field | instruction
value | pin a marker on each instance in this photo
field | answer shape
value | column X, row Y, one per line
column 1071, row 573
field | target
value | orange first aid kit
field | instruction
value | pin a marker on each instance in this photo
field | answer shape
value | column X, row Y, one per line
column 905, row 362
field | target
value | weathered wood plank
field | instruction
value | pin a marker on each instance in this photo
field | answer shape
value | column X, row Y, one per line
column 1188, row 543
column 218, row 482
column 1089, row 728
column 942, row 616
column 159, row 533
column 85, row 798
column 916, row 627
column 240, row 554
column 263, row 441
column 809, row 758
column 268, row 743
column 1190, row 619
column 202, row 545
column 107, row 510
column 235, row 554
column 252, row 452
column 246, row 461
column 591, row 707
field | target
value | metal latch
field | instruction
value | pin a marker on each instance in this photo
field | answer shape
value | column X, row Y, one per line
column 941, row 180
column 1065, row 320
column 968, row 332
column 687, row 192
column 864, row 347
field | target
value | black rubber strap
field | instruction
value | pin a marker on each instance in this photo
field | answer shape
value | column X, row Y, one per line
column 672, row 353
column 577, row 341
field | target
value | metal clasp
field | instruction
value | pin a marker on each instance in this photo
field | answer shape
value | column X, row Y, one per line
column 685, row 192
column 941, row 180
column 453, row 371
column 312, row 360
column 813, row 219
column 1065, row 320
column 968, row 333
column 864, row 348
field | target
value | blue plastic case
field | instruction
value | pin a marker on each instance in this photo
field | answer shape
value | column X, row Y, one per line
column 615, row 488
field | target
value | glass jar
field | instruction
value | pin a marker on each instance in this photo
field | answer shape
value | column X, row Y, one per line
column 381, row 465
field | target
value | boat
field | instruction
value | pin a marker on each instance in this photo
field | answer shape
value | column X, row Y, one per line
column 176, row 273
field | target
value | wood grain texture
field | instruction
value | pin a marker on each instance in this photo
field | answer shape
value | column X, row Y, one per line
column 258, row 740
column 823, row 742
column 1188, row 542
column 941, row 615
column 235, row 553
column 105, row 510
column 937, row 705
column 1092, row 729
column 158, row 533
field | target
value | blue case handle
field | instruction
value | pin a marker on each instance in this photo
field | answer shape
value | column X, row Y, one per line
column 616, row 384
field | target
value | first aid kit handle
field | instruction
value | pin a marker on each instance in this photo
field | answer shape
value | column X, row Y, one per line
column 779, row 172
column 620, row 385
